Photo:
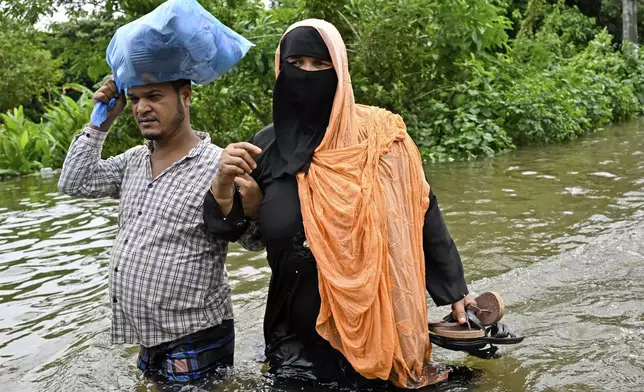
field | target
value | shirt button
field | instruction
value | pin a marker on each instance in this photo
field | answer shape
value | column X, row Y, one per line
column 116, row 269
column 114, row 300
column 149, row 185
column 139, row 213
column 87, row 134
column 126, row 241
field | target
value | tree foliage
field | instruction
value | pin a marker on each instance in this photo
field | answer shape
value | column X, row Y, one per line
column 471, row 78
column 28, row 73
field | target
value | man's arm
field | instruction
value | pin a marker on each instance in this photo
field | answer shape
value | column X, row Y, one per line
column 233, row 197
column 85, row 174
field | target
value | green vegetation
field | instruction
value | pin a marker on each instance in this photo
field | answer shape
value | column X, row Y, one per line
column 472, row 78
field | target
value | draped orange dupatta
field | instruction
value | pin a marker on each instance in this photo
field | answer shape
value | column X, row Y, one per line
column 363, row 204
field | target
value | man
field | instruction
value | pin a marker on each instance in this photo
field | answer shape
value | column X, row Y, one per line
column 168, row 284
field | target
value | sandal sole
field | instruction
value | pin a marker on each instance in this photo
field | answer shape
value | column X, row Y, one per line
column 491, row 308
column 457, row 332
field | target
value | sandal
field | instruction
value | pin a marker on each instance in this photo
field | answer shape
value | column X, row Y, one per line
column 482, row 329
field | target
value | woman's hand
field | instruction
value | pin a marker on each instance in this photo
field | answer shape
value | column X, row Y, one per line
column 251, row 195
column 458, row 308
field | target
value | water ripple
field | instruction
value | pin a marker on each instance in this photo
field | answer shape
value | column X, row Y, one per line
column 551, row 229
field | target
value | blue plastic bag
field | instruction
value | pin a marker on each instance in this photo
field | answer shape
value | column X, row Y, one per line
column 178, row 40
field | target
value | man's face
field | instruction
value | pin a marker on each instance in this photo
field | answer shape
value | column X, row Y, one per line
column 159, row 109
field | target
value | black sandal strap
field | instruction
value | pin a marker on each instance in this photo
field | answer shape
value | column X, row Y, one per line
column 483, row 353
column 480, row 348
column 475, row 320
column 471, row 317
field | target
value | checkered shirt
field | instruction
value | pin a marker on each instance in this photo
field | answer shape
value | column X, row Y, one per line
column 167, row 275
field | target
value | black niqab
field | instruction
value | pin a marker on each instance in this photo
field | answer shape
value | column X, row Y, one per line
column 302, row 103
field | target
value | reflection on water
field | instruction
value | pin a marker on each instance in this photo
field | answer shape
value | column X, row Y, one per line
column 558, row 231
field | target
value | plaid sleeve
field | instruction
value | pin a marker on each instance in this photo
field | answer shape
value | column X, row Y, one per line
column 85, row 174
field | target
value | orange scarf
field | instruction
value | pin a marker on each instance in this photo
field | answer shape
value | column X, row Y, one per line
column 363, row 205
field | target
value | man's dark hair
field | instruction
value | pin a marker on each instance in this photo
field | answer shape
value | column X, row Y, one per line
column 178, row 84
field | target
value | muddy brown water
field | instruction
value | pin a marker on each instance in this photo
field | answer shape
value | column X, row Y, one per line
column 557, row 230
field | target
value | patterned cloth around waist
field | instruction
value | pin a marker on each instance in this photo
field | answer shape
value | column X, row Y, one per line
column 191, row 357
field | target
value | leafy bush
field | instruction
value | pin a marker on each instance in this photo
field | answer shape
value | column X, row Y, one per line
column 471, row 78
column 623, row 78
column 74, row 43
column 463, row 121
column 26, row 146
column 65, row 118
column 28, row 74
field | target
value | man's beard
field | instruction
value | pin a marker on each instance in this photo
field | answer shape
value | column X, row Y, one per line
column 174, row 124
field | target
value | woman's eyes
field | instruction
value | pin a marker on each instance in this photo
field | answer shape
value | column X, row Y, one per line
column 315, row 63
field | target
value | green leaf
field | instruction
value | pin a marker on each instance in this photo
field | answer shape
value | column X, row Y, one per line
column 459, row 99
column 9, row 173
column 477, row 40
column 24, row 139
column 78, row 87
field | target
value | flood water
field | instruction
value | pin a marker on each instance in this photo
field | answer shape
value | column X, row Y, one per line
column 558, row 231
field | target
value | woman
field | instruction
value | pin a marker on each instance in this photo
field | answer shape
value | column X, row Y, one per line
column 353, row 233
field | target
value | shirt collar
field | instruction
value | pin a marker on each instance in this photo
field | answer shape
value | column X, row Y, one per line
column 205, row 140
